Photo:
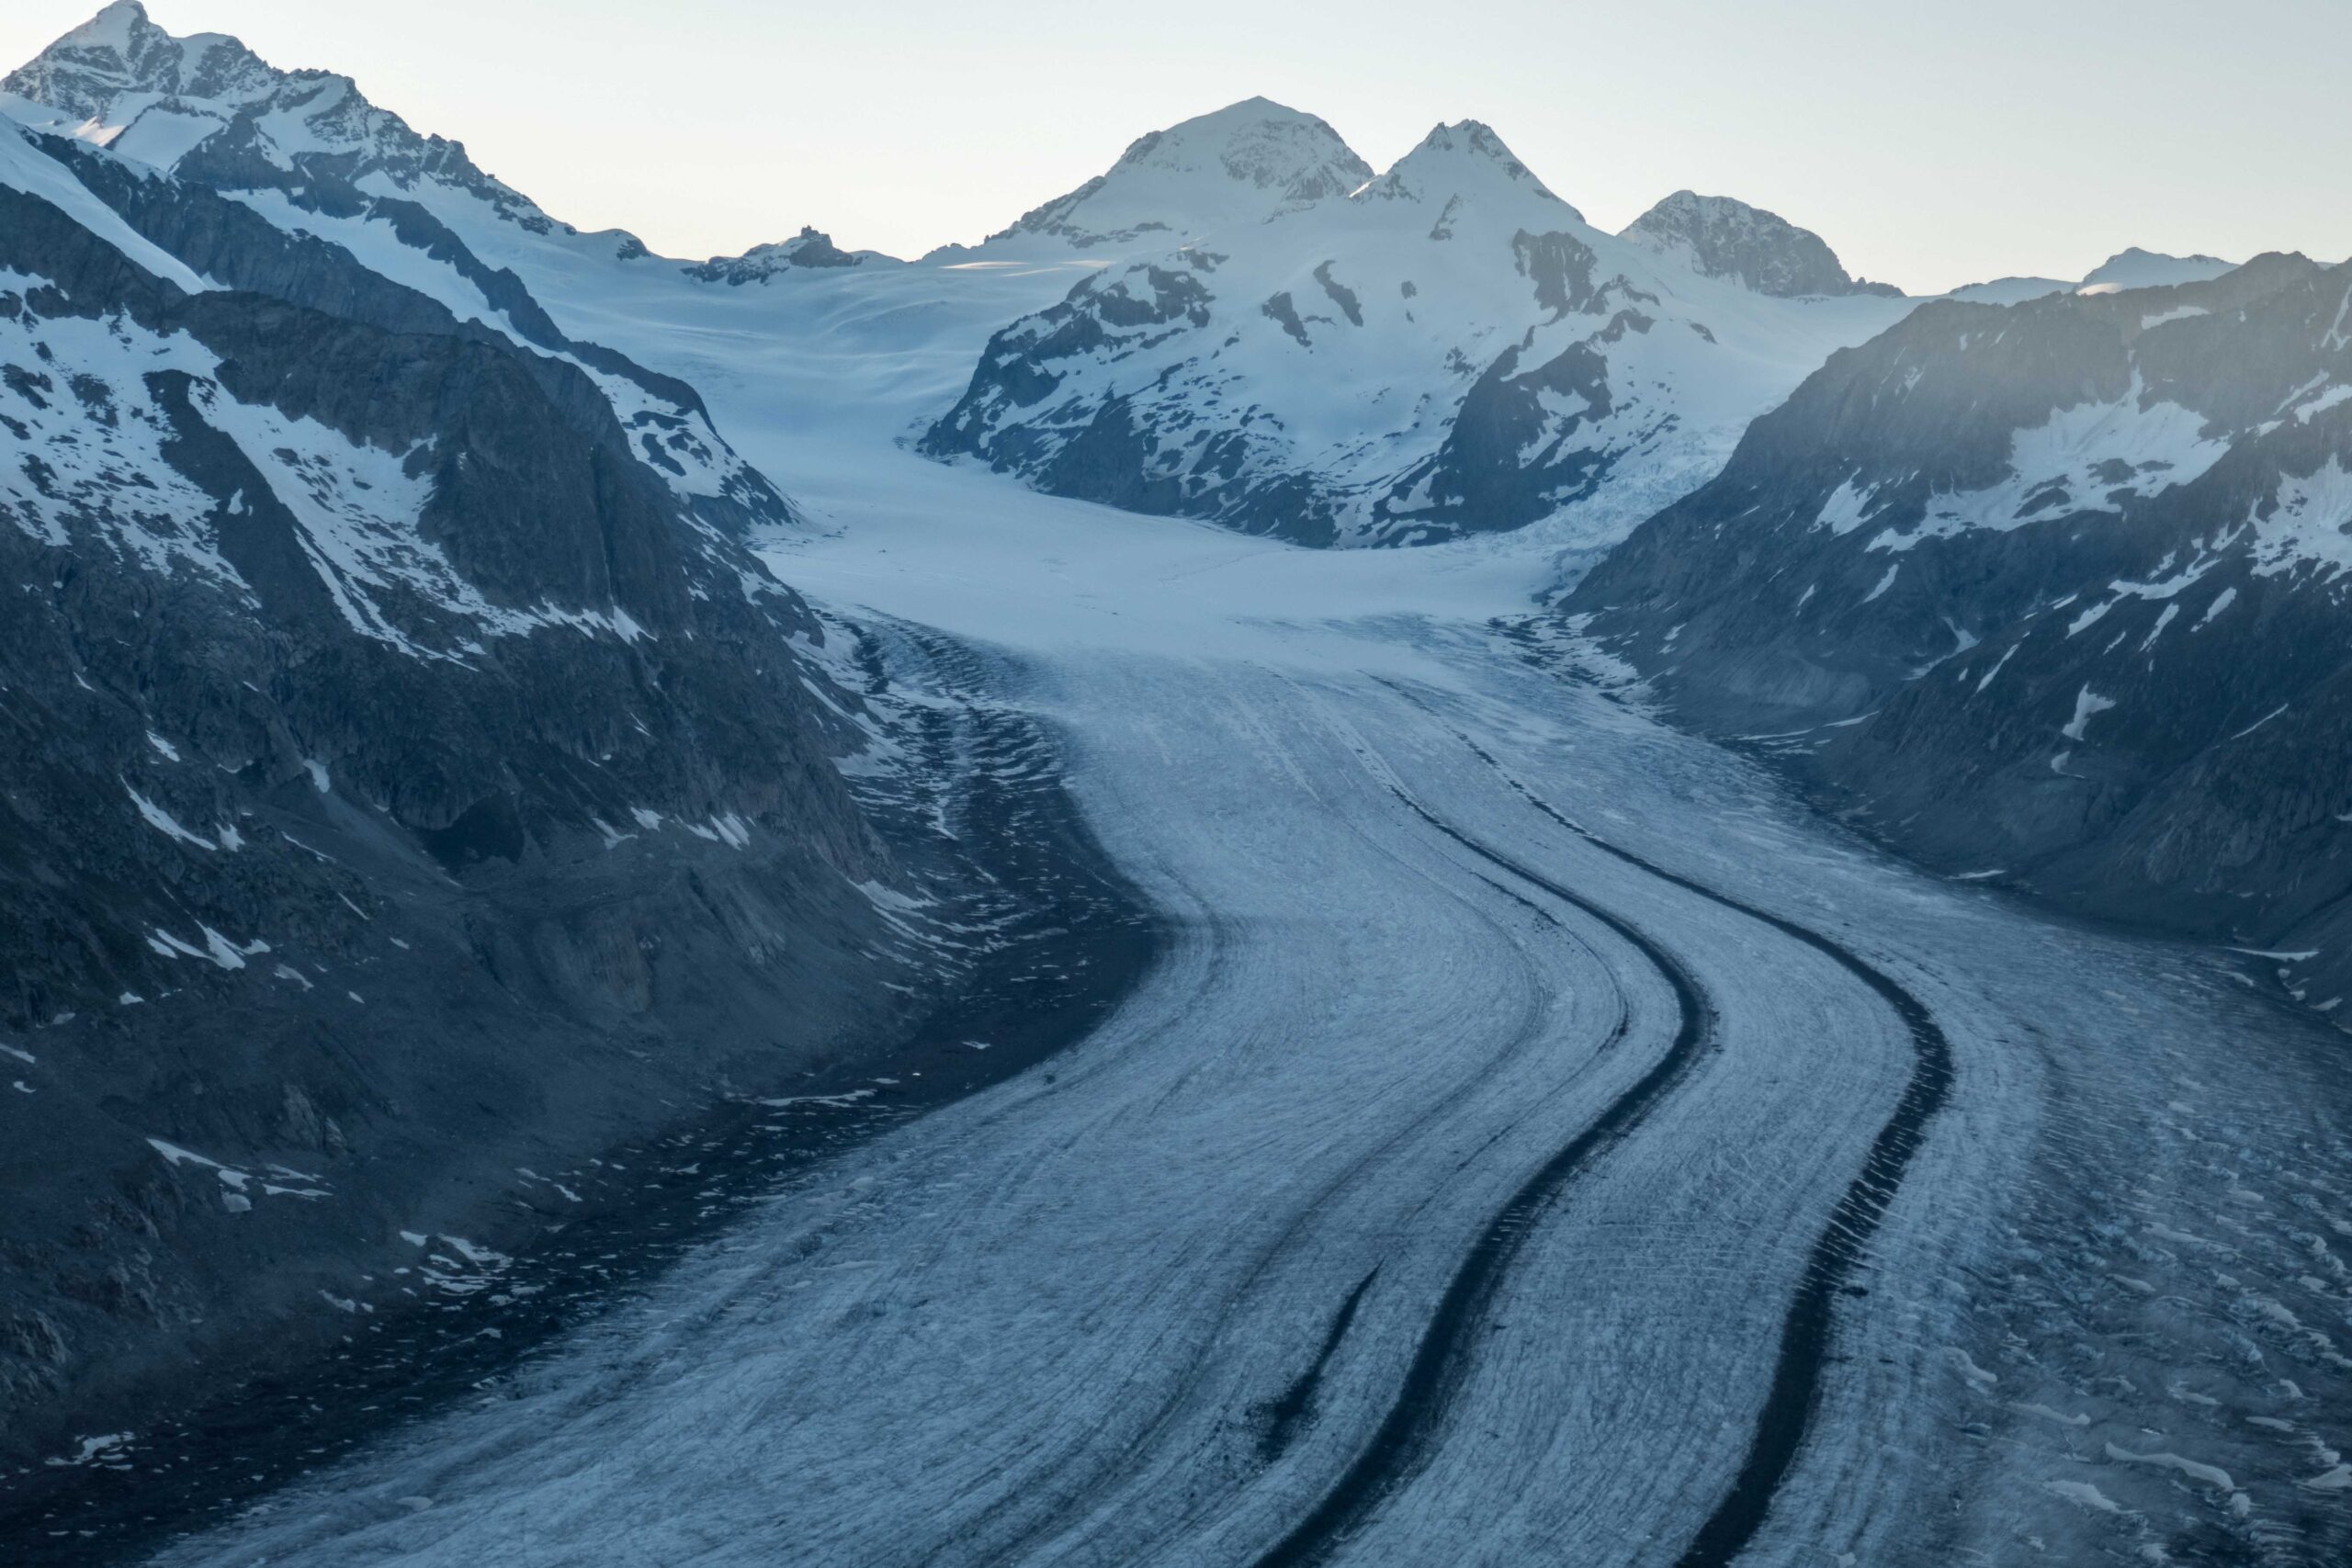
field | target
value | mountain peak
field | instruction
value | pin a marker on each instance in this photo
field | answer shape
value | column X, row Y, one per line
column 2136, row 268
column 122, row 83
column 1720, row 236
column 1243, row 163
column 1466, row 161
column 113, row 28
column 85, row 73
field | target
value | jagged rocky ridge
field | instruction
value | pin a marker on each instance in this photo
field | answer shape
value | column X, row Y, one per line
column 211, row 110
column 404, row 784
column 1447, row 348
column 307, row 152
column 2055, row 594
column 761, row 263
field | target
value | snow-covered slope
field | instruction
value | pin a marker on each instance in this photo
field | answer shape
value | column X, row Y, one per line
column 1717, row 236
column 1450, row 348
column 1243, row 163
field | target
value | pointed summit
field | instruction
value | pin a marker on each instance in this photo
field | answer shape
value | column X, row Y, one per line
column 86, row 74
column 1465, row 167
column 208, row 108
column 1717, row 236
column 1243, row 163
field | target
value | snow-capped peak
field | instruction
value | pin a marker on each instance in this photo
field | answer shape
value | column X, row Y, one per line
column 1257, row 143
column 1243, row 163
column 1466, row 161
column 124, row 83
column 89, row 70
column 1717, row 236
column 114, row 27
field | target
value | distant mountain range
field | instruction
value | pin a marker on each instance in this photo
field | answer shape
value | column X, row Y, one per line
column 1444, row 349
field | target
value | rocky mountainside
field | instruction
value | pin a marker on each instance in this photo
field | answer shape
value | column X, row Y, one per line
column 404, row 784
column 1448, row 348
column 2056, row 593
column 1716, row 236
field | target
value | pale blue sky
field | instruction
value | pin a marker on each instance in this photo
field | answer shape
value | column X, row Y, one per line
column 1932, row 146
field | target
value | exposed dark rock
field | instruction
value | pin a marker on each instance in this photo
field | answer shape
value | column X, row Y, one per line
column 401, row 785
column 2055, row 589
column 1720, row 237
column 805, row 251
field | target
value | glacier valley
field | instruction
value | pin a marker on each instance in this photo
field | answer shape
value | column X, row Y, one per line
column 1413, row 1075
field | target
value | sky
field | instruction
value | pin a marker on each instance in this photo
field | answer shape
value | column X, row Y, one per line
column 1931, row 144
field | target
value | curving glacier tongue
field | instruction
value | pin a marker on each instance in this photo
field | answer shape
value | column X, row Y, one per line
column 1152, row 1302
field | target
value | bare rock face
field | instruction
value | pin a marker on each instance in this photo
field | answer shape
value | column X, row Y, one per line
column 806, row 250
column 1719, row 237
column 2055, row 591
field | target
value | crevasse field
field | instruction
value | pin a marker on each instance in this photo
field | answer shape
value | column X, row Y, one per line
column 1542, row 1140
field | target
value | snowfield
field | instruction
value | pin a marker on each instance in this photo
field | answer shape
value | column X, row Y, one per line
column 1529, row 1147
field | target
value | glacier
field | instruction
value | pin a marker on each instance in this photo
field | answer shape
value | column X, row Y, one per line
column 1542, row 1136
column 1441, row 920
